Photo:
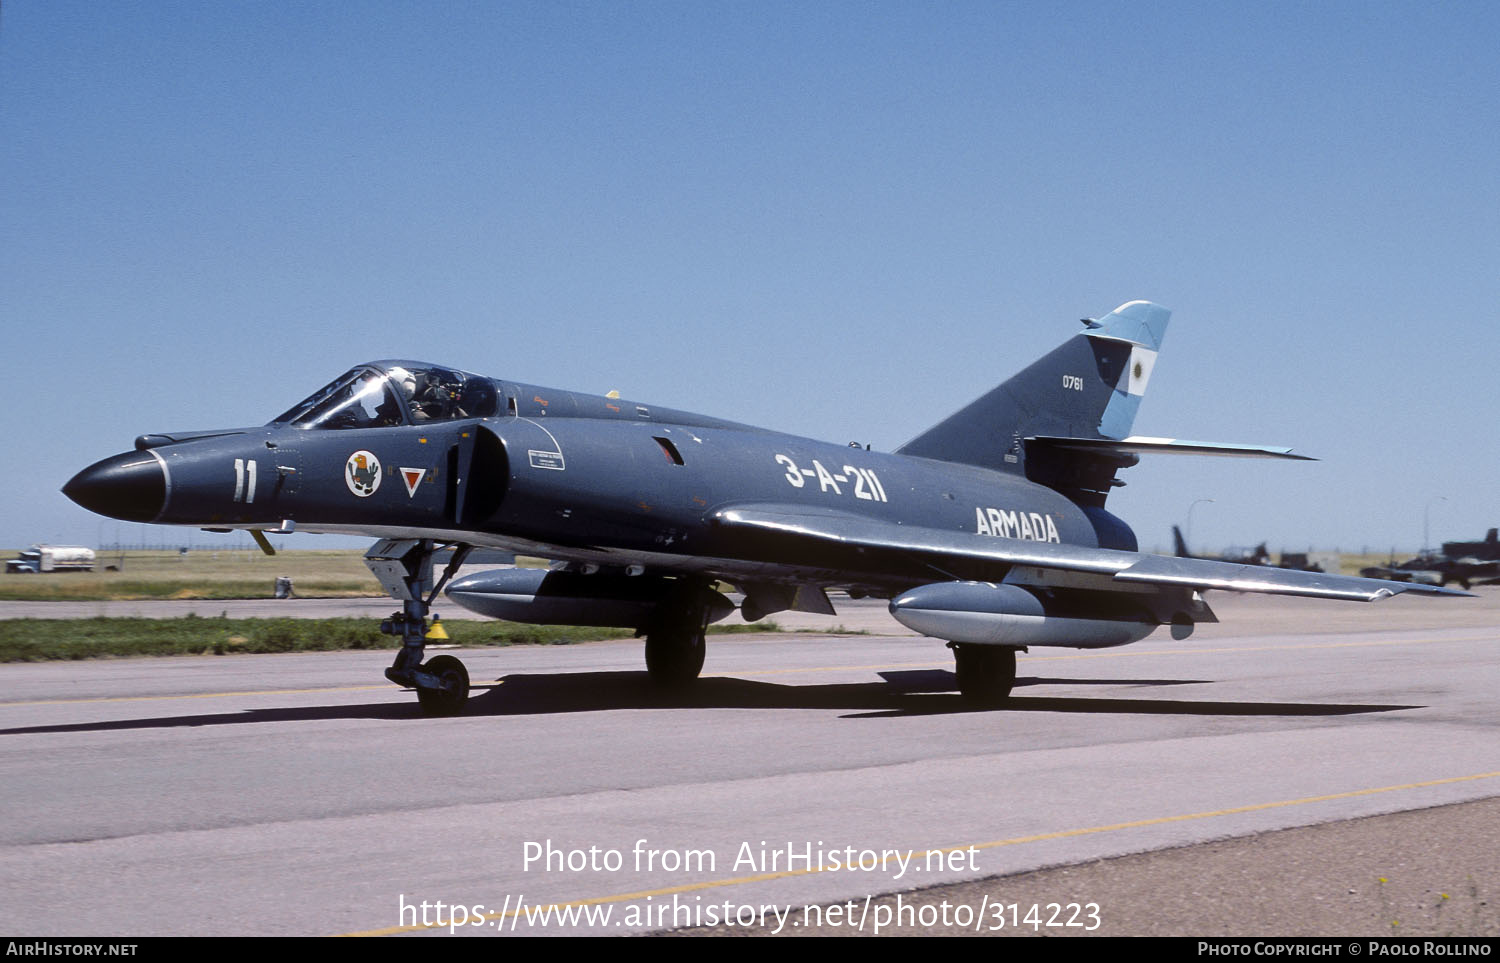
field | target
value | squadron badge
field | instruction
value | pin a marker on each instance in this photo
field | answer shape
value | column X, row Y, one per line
column 362, row 473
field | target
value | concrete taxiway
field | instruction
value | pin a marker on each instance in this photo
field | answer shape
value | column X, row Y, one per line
column 302, row 795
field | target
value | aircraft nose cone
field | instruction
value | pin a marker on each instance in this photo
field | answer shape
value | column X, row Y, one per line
column 131, row 487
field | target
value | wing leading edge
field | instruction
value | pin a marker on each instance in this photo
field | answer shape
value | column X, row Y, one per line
column 800, row 529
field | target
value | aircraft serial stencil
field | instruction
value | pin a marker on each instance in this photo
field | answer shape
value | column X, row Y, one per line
column 988, row 530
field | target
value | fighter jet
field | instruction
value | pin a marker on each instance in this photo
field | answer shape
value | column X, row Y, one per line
column 1436, row 569
column 1247, row 556
column 988, row 531
column 1240, row 556
column 1485, row 551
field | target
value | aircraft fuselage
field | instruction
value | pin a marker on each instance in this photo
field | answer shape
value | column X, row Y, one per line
column 593, row 489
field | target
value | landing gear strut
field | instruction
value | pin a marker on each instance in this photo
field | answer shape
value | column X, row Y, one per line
column 404, row 568
column 675, row 644
column 986, row 673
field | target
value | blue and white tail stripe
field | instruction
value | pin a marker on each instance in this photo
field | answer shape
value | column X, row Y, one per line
column 1143, row 325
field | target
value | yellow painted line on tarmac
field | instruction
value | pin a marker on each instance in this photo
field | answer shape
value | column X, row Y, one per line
column 1233, row 811
column 551, row 908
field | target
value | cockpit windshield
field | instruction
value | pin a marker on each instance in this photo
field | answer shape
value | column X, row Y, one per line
column 394, row 393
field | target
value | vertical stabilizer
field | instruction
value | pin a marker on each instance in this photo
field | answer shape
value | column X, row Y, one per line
column 1089, row 387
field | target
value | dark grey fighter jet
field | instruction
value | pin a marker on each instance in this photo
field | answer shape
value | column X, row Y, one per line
column 988, row 531
column 1240, row 556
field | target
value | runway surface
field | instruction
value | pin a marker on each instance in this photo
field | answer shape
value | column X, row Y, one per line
column 303, row 795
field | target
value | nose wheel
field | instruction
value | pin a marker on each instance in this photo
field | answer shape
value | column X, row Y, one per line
column 452, row 691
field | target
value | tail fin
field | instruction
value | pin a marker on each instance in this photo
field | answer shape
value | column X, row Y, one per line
column 1179, row 545
column 1089, row 387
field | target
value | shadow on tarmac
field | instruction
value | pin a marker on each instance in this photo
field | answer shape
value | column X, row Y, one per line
column 914, row 693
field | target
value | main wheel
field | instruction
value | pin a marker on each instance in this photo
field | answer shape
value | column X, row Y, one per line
column 450, row 699
column 986, row 673
column 675, row 656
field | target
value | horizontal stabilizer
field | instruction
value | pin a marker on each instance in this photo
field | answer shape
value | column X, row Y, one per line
column 1141, row 445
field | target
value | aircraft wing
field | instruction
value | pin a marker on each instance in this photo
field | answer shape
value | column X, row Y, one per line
column 800, row 529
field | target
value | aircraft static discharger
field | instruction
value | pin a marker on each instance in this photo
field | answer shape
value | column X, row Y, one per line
column 988, row 530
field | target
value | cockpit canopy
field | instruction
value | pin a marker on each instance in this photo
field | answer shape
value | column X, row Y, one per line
column 387, row 393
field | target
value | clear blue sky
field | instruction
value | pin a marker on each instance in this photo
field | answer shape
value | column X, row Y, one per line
column 842, row 220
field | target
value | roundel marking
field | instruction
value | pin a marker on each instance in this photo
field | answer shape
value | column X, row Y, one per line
column 362, row 473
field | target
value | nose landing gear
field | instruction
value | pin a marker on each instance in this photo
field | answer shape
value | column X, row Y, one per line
column 404, row 568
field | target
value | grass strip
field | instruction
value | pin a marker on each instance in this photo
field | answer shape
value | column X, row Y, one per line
column 78, row 589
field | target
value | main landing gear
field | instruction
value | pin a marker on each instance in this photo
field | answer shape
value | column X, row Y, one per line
column 675, row 643
column 986, row 673
column 404, row 568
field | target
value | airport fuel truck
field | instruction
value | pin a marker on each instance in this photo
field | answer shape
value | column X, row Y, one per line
column 52, row 558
